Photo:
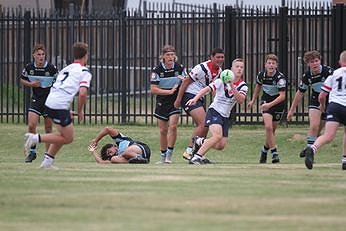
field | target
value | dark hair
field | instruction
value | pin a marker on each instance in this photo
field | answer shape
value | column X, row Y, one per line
column 79, row 50
column 272, row 57
column 217, row 50
column 310, row 55
column 104, row 149
column 38, row 47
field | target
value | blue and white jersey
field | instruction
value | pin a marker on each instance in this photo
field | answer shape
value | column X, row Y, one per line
column 123, row 142
column 271, row 85
column 224, row 99
column 335, row 85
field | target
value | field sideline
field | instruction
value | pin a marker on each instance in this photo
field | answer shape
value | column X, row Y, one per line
column 237, row 193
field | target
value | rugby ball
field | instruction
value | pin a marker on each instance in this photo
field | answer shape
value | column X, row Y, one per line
column 227, row 76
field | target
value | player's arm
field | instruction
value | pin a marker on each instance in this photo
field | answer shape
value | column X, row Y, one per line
column 277, row 100
column 199, row 95
column 112, row 132
column 254, row 95
column 28, row 83
column 297, row 98
column 156, row 90
column 93, row 149
column 239, row 97
column 82, row 97
column 322, row 98
column 186, row 82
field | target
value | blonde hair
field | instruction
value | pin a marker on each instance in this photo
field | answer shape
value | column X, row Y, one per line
column 272, row 57
column 237, row 60
column 343, row 58
column 165, row 49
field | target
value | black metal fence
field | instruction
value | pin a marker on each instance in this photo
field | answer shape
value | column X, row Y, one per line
column 125, row 46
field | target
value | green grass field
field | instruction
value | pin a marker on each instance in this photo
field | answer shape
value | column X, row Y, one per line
column 237, row 193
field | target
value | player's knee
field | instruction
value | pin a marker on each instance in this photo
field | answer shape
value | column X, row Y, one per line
column 163, row 131
column 32, row 127
column 68, row 140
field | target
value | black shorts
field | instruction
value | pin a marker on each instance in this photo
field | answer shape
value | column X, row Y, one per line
column 146, row 153
column 186, row 97
column 164, row 111
column 336, row 113
column 277, row 111
column 59, row 116
column 37, row 105
column 213, row 117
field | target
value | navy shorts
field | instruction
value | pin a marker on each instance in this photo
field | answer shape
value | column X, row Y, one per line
column 59, row 116
column 213, row 117
column 37, row 105
column 146, row 153
column 315, row 104
column 336, row 113
column 164, row 111
column 277, row 111
column 186, row 97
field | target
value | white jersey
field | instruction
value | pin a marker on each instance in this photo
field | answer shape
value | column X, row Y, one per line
column 335, row 85
column 201, row 76
column 224, row 99
column 67, row 85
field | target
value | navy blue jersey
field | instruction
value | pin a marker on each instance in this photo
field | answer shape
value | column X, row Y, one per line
column 167, row 79
column 315, row 81
column 271, row 85
column 49, row 71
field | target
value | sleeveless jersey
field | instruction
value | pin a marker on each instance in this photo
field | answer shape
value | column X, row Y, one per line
column 48, row 71
column 224, row 99
column 67, row 85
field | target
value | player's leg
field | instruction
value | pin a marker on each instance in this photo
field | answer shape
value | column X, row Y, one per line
column 314, row 125
column 343, row 160
column 48, row 127
column 163, row 126
column 268, row 131
column 171, row 136
column 33, row 118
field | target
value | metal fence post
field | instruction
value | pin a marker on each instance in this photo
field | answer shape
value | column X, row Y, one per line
column 123, row 68
column 27, row 59
column 283, row 49
column 339, row 32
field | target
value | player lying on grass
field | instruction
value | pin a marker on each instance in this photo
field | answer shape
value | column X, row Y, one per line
column 125, row 150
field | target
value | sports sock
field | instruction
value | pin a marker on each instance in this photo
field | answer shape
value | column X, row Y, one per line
column 163, row 152
column 274, row 151
column 200, row 141
column 169, row 151
column 310, row 140
column 33, row 149
column 48, row 160
column 264, row 149
column 314, row 148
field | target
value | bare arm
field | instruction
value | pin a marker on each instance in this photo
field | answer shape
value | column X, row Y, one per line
column 297, row 98
column 186, row 82
column 105, row 131
column 27, row 83
column 156, row 90
column 322, row 99
column 255, row 95
column 240, row 98
column 199, row 95
column 279, row 99
column 83, row 93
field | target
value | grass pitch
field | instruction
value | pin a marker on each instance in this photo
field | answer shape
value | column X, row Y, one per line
column 237, row 193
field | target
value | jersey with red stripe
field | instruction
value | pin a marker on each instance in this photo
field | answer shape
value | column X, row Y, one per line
column 224, row 99
column 202, row 74
column 67, row 85
column 335, row 85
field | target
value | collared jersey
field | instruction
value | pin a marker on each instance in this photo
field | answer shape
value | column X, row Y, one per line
column 224, row 99
column 67, row 85
column 48, row 70
column 335, row 85
column 271, row 85
column 167, row 79
column 314, row 81
column 202, row 75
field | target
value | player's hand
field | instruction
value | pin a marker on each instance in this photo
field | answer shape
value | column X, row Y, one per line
column 177, row 104
column 250, row 104
column 289, row 115
column 92, row 147
column 174, row 89
column 80, row 116
column 265, row 106
column 35, row 83
column 93, row 142
column 191, row 102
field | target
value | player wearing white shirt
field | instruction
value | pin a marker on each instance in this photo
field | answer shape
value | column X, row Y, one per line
column 71, row 80
column 217, row 118
column 335, row 86
column 199, row 77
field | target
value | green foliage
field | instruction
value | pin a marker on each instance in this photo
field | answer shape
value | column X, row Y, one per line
column 237, row 193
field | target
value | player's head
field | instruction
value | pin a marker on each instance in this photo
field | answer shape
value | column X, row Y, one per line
column 313, row 60
column 271, row 63
column 39, row 54
column 108, row 151
column 238, row 67
column 342, row 59
column 217, row 56
column 80, row 51
column 168, row 55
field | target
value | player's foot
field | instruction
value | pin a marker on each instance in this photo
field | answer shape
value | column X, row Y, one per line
column 343, row 162
column 263, row 158
column 205, row 160
column 187, row 155
column 162, row 159
column 29, row 158
column 48, row 166
column 138, row 160
column 168, row 158
column 195, row 146
column 309, row 157
column 28, row 142
column 302, row 154
column 275, row 159
column 196, row 159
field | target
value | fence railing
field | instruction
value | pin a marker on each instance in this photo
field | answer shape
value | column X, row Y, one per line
column 125, row 46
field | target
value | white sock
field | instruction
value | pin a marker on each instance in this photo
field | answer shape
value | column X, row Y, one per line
column 200, row 141
column 35, row 138
column 189, row 150
column 47, row 161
